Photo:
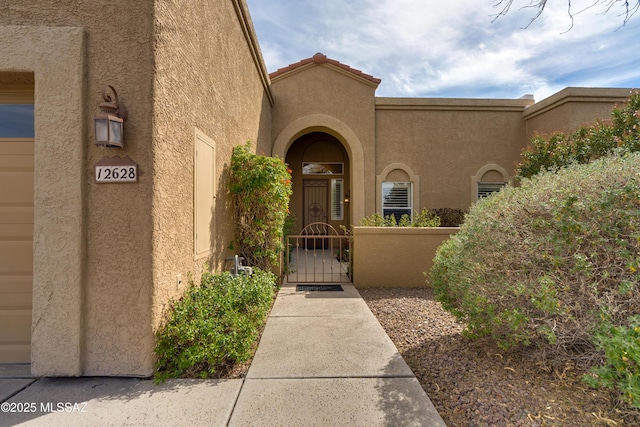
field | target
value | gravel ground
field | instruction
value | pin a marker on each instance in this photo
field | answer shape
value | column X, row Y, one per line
column 474, row 383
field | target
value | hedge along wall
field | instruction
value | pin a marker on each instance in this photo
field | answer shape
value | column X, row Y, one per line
column 395, row 257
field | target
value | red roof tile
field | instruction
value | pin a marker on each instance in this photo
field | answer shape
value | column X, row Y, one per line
column 320, row 58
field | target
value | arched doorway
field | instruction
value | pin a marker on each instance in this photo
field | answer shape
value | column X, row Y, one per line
column 321, row 172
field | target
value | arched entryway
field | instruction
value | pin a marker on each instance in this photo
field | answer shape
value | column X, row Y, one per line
column 350, row 142
column 321, row 171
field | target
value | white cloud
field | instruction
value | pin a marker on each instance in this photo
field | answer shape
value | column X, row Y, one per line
column 433, row 48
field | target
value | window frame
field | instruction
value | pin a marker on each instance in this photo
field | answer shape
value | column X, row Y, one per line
column 19, row 95
column 388, row 210
column 328, row 172
column 491, row 187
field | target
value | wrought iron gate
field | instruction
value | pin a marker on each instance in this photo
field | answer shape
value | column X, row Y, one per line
column 318, row 255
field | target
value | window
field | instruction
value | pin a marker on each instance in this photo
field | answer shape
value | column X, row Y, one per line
column 203, row 194
column 487, row 188
column 489, row 179
column 317, row 168
column 397, row 199
column 16, row 121
column 337, row 199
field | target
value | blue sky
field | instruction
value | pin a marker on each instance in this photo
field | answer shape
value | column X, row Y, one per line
column 432, row 48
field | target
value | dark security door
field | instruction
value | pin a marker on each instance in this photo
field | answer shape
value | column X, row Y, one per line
column 315, row 203
column 315, row 200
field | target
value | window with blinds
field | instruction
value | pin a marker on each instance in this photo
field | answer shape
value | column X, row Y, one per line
column 337, row 199
column 487, row 188
column 397, row 199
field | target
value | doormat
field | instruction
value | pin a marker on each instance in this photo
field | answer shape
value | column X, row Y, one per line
column 319, row 288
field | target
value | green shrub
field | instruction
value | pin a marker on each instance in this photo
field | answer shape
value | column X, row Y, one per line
column 550, row 262
column 261, row 188
column 588, row 143
column 621, row 345
column 424, row 218
column 214, row 325
column 449, row 217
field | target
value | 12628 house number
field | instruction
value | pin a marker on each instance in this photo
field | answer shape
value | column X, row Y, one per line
column 122, row 173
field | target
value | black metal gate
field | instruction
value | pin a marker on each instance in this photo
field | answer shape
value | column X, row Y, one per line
column 319, row 254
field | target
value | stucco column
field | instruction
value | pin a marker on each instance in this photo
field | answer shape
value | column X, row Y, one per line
column 56, row 57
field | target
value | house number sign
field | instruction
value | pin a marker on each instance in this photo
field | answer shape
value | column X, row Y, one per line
column 112, row 170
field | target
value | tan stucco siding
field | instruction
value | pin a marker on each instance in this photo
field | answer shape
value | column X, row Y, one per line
column 177, row 66
column 413, row 251
column 571, row 108
column 207, row 78
column 55, row 56
column 321, row 89
column 445, row 142
column 112, row 293
column 118, row 333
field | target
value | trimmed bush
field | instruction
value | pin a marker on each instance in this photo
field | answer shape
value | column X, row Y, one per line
column 214, row 326
column 550, row 153
column 552, row 263
column 424, row 218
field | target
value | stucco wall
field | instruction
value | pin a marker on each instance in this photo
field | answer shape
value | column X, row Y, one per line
column 571, row 108
column 210, row 77
column 445, row 142
column 115, row 259
column 55, row 56
column 107, row 255
column 395, row 256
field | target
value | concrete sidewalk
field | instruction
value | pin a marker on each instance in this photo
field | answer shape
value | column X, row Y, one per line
column 323, row 360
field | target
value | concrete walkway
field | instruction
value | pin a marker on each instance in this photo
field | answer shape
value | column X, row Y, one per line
column 323, row 360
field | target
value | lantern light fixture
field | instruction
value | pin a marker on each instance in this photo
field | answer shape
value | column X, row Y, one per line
column 108, row 123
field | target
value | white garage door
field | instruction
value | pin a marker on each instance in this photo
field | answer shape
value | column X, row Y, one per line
column 16, row 248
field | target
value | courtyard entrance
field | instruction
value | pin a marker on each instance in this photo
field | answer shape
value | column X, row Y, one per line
column 319, row 254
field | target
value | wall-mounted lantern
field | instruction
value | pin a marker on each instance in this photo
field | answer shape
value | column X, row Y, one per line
column 346, row 198
column 109, row 121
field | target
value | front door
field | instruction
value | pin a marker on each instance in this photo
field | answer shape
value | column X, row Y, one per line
column 315, row 203
column 315, row 200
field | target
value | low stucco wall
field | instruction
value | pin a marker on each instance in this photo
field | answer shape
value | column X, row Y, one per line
column 395, row 257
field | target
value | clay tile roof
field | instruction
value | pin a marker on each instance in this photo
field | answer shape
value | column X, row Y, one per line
column 320, row 58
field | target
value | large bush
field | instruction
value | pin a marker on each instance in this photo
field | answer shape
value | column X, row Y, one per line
column 214, row 325
column 552, row 263
column 261, row 188
column 590, row 142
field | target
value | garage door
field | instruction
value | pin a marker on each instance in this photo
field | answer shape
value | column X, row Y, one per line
column 16, row 248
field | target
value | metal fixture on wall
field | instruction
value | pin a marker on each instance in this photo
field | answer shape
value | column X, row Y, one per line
column 108, row 123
